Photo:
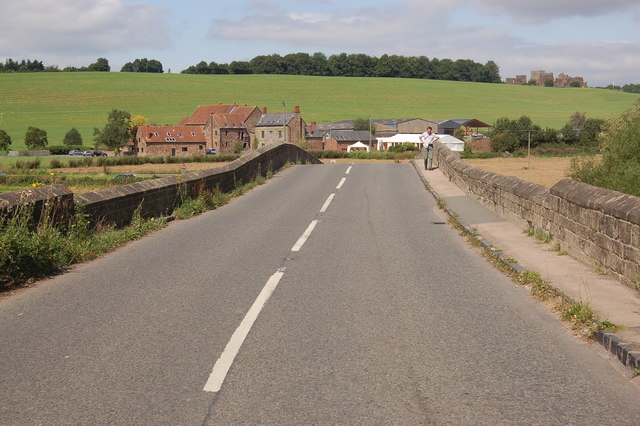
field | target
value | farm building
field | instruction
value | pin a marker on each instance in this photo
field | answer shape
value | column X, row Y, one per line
column 225, row 125
column 173, row 141
column 339, row 140
column 448, row 127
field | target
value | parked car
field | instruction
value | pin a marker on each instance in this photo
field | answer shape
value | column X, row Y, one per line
column 87, row 153
column 75, row 152
column 210, row 151
column 125, row 176
column 99, row 154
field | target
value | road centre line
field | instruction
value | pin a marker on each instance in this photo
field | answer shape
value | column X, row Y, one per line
column 325, row 206
column 303, row 238
column 223, row 364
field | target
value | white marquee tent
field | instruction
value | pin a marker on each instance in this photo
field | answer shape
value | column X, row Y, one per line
column 358, row 145
column 453, row 143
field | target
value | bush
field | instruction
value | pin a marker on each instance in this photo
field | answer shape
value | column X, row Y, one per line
column 504, row 142
column 28, row 164
column 404, row 147
column 619, row 168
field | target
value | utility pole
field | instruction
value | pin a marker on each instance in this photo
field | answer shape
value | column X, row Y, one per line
column 369, row 133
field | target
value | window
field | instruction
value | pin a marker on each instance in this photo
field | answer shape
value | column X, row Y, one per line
column 168, row 134
column 263, row 133
column 193, row 133
column 185, row 149
column 200, row 147
column 279, row 133
column 155, row 133
column 170, row 139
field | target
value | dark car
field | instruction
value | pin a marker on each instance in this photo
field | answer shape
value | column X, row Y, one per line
column 210, row 151
column 125, row 176
column 99, row 154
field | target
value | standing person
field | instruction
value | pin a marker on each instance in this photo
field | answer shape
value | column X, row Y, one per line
column 427, row 139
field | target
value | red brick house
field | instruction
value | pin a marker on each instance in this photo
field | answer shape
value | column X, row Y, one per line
column 224, row 125
column 339, row 140
column 173, row 141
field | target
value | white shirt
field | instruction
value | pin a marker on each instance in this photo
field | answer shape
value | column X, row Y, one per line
column 428, row 138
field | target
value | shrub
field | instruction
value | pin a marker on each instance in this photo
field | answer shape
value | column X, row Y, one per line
column 504, row 142
column 619, row 168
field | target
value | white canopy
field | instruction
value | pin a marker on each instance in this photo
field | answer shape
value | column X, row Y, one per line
column 399, row 139
column 358, row 145
column 453, row 143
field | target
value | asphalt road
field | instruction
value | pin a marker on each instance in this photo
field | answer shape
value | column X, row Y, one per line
column 300, row 302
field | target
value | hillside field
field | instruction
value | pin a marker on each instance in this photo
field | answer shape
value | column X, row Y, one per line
column 56, row 102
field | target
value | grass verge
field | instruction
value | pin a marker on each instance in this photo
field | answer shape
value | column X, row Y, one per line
column 29, row 253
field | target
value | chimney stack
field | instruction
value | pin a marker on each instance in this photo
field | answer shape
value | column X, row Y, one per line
column 296, row 109
column 264, row 109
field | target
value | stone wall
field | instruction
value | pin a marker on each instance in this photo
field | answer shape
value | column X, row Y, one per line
column 598, row 226
column 158, row 197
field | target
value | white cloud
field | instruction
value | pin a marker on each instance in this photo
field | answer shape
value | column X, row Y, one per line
column 546, row 10
column 50, row 28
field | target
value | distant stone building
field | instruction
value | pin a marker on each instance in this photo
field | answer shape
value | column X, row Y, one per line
column 518, row 79
column 541, row 77
column 565, row 80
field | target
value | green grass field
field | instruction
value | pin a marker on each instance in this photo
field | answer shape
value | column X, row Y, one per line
column 56, row 102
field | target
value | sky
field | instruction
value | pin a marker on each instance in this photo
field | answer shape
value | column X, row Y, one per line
column 597, row 40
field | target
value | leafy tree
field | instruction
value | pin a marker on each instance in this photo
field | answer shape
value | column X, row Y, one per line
column 548, row 83
column 577, row 119
column 72, row 137
column 492, row 73
column 590, row 130
column 138, row 120
column 619, row 168
column 116, row 132
column 35, row 138
column 100, row 65
column 240, row 67
column 5, row 140
column 502, row 142
column 363, row 124
column 143, row 65
column 319, row 60
column 298, row 64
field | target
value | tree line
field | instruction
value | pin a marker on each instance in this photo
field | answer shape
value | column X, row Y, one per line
column 357, row 65
column 102, row 64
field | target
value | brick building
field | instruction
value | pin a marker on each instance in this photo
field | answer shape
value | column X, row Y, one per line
column 339, row 140
column 280, row 127
column 224, row 125
column 173, row 141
